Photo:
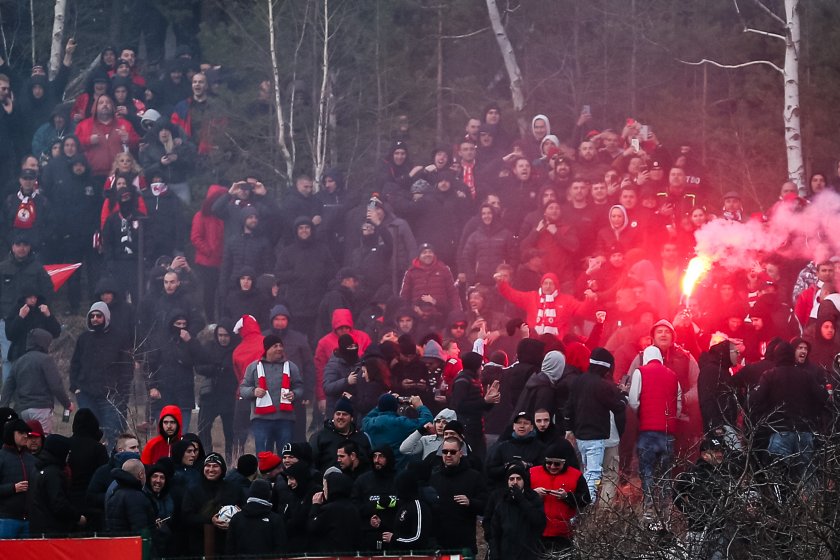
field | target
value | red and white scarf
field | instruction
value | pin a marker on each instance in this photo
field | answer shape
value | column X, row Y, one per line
column 264, row 404
column 547, row 314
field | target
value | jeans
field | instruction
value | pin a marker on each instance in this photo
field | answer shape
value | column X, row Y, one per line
column 105, row 411
column 271, row 435
column 656, row 450
column 796, row 449
column 5, row 344
column 592, row 457
column 14, row 528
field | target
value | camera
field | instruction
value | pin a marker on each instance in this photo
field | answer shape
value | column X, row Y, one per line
column 404, row 400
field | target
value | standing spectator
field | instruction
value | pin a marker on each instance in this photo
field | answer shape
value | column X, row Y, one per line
column 17, row 467
column 342, row 372
column 523, row 446
column 87, row 454
column 206, row 533
column 518, row 520
column 257, row 530
column 413, row 518
column 385, row 427
column 35, row 383
column 104, row 135
column 127, row 447
column 299, row 352
column 170, row 157
column 427, row 439
column 274, row 385
column 169, row 428
column 54, row 512
column 127, row 509
column 462, row 496
column 217, row 387
column 336, row 431
column 199, row 116
column 430, row 280
column 564, row 494
column 333, row 519
column 28, row 210
column 544, row 389
column 121, row 239
column 20, row 271
column 471, row 403
column 490, row 245
column 374, row 493
column 656, row 394
column 167, row 513
column 594, row 401
column 247, row 249
column 98, row 362
column 207, row 236
column 716, row 391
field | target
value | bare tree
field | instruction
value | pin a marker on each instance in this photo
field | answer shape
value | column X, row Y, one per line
column 319, row 154
column 509, row 56
column 57, row 36
column 790, row 35
column 278, row 105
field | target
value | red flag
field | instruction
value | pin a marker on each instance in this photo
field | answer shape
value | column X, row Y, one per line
column 59, row 273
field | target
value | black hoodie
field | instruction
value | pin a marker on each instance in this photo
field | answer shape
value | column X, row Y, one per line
column 374, row 493
column 716, row 388
column 18, row 327
column 53, row 510
column 257, row 530
column 335, row 524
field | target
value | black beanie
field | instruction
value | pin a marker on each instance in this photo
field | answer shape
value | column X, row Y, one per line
column 601, row 361
column 270, row 340
column 472, row 361
column 260, row 489
column 407, row 345
column 388, row 402
column 344, row 405
column 247, row 465
column 219, row 460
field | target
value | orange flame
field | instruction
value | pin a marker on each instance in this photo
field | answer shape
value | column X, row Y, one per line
column 697, row 267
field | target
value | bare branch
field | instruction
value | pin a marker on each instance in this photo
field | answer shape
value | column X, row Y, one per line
column 770, row 13
column 733, row 66
column 765, row 33
column 466, row 35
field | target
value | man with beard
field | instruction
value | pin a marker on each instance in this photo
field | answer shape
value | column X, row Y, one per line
column 217, row 387
column 350, row 460
column 336, row 431
column 105, row 135
column 374, row 493
column 157, row 489
column 299, row 352
column 97, row 364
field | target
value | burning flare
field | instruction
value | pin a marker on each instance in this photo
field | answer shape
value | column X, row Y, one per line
column 697, row 267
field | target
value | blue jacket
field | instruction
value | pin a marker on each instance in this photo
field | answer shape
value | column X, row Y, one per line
column 389, row 428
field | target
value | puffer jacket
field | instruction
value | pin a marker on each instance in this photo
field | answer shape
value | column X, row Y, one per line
column 18, row 276
column 16, row 465
column 128, row 510
column 485, row 249
column 435, row 280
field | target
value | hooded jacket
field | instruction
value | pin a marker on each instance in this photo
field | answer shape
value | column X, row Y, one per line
column 207, row 231
column 257, row 530
column 35, row 381
column 374, row 493
column 171, row 364
column 486, row 248
column 53, row 510
column 593, row 396
column 566, row 307
column 19, row 276
column 656, row 393
column 99, row 358
column 303, row 270
column 161, row 446
column 329, row 343
column 336, row 522
column 17, row 327
column 716, row 388
column 16, row 465
column 543, row 389
column 128, row 510
column 250, row 349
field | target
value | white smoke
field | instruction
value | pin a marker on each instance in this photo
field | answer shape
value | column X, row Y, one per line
column 811, row 232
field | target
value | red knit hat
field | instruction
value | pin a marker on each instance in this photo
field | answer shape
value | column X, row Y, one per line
column 268, row 461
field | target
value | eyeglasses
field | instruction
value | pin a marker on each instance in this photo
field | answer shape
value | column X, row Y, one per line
column 559, row 463
column 448, row 451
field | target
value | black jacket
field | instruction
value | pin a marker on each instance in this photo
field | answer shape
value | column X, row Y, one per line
column 528, row 449
column 334, row 526
column 15, row 466
column 588, row 411
column 201, row 503
column 256, row 530
column 716, row 388
column 529, row 353
column 325, row 443
column 302, row 270
column 128, row 510
column 17, row 277
column 517, row 525
column 98, row 486
column 246, row 249
column 18, row 327
column 86, row 453
column 52, row 510
column 467, row 400
column 455, row 524
column 171, row 366
column 98, row 360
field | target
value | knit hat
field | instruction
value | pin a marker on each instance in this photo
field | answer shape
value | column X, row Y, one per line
column 457, row 427
column 446, row 414
column 268, row 461
column 219, row 460
column 270, row 340
column 247, row 464
column 260, row 492
column 601, row 361
column 515, row 467
column 344, row 405
column 299, row 450
column 472, row 361
column 388, row 402
column 425, row 247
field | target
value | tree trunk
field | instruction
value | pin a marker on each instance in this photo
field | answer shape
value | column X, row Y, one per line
column 57, row 36
column 439, row 89
column 32, row 28
column 320, row 155
column 278, row 106
column 512, row 67
column 793, row 130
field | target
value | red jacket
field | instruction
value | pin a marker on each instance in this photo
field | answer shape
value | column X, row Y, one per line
column 160, row 446
column 208, row 231
column 329, row 343
column 805, row 304
column 658, row 399
column 558, row 512
column 101, row 155
column 566, row 307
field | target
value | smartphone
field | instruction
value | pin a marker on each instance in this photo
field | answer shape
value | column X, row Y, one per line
column 644, row 132
column 635, row 144
column 587, row 110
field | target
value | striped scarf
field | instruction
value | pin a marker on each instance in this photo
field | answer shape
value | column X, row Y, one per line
column 547, row 314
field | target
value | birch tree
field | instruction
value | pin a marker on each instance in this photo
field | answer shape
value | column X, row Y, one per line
column 789, row 34
column 509, row 56
column 57, row 36
column 319, row 154
column 278, row 104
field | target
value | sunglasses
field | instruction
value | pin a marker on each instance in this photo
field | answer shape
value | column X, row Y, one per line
column 555, row 463
column 448, row 451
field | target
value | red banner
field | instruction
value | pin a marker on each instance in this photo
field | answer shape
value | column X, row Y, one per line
column 124, row 548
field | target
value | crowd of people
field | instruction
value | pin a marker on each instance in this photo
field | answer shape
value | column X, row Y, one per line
column 492, row 330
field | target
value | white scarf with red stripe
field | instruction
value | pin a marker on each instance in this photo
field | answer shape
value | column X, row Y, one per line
column 547, row 314
column 264, row 404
